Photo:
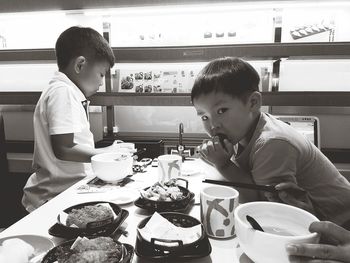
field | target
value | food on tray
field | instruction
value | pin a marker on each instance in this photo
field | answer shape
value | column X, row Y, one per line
column 16, row 250
column 168, row 191
column 91, row 213
column 84, row 250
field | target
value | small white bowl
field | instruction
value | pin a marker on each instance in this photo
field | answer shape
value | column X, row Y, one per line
column 271, row 247
column 112, row 167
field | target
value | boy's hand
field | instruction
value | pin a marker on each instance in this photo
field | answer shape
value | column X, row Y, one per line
column 216, row 153
column 291, row 194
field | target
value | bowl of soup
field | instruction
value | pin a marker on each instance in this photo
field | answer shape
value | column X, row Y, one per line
column 112, row 167
column 282, row 224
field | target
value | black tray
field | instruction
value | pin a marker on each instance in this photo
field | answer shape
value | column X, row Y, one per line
column 51, row 256
column 60, row 230
column 170, row 207
column 148, row 251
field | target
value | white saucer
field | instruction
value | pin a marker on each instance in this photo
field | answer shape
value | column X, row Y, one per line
column 124, row 196
column 40, row 244
column 241, row 256
column 188, row 172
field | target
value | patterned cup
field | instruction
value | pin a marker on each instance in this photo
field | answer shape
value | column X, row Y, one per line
column 169, row 167
column 218, row 204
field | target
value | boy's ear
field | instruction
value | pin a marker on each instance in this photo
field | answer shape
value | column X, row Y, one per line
column 79, row 64
column 255, row 101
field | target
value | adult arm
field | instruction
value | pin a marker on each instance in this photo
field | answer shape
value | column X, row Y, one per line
column 335, row 248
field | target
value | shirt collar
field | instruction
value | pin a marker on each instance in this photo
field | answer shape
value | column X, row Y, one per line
column 64, row 78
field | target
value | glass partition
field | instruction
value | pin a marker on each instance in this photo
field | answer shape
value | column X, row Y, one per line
column 32, row 30
column 315, row 75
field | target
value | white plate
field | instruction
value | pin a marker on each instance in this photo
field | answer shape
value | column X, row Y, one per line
column 123, row 196
column 188, row 172
column 241, row 256
column 40, row 244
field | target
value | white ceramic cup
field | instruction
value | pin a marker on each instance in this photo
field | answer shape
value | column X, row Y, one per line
column 169, row 167
column 218, row 204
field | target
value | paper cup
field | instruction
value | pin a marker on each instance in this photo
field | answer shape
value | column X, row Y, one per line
column 218, row 204
column 169, row 167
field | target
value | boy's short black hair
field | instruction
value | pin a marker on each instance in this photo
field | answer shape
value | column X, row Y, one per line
column 232, row 76
column 82, row 41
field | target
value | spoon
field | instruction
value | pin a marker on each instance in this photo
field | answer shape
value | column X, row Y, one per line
column 254, row 223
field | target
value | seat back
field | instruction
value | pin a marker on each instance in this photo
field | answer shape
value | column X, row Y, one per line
column 3, row 157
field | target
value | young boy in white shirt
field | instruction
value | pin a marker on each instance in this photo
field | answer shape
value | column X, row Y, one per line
column 64, row 143
column 227, row 99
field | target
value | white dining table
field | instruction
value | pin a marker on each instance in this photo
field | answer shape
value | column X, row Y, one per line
column 39, row 221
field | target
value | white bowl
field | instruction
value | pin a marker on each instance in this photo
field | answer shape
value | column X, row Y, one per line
column 112, row 167
column 267, row 247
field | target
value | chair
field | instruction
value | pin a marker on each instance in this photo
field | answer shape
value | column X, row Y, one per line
column 3, row 157
column 10, row 190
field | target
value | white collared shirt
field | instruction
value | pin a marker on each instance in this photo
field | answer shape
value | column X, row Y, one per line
column 58, row 111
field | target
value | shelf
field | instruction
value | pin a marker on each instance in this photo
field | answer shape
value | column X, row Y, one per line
column 200, row 53
column 256, row 51
column 11, row 55
column 39, row 5
column 312, row 99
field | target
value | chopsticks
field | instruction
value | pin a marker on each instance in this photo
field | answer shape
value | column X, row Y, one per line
column 266, row 188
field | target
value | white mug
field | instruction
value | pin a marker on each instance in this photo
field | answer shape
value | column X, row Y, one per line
column 169, row 167
column 218, row 204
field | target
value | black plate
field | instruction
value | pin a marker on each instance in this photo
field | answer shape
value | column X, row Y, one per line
column 164, row 207
column 60, row 230
column 200, row 249
column 51, row 256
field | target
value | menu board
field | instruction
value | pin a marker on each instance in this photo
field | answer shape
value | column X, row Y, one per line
column 155, row 80
column 170, row 77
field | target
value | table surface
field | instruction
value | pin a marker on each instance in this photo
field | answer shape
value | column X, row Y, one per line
column 39, row 221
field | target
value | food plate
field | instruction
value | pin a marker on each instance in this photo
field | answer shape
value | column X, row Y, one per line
column 39, row 243
column 124, row 196
column 155, row 251
column 176, row 205
column 61, row 230
column 51, row 256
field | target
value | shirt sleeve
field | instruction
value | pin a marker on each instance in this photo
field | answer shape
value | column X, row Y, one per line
column 63, row 112
column 274, row 161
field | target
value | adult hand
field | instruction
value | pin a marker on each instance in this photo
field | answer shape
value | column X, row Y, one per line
column 216, row 153
column 336, row 249
column 291, row 194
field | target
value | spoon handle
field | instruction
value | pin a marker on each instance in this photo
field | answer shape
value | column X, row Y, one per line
column 254, row 224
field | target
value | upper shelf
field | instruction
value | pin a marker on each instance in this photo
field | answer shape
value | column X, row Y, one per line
column 39, row 5
column 200, row 53
column 327, row 99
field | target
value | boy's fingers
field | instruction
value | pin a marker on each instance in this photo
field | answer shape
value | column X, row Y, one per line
column 271, row 197
column 287, row 186
column 216, row 142
column 291, row 189
column 228, row 146
column 331, row 231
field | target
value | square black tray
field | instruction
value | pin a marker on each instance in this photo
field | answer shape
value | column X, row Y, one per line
column 148, row 251
column 60, row 230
